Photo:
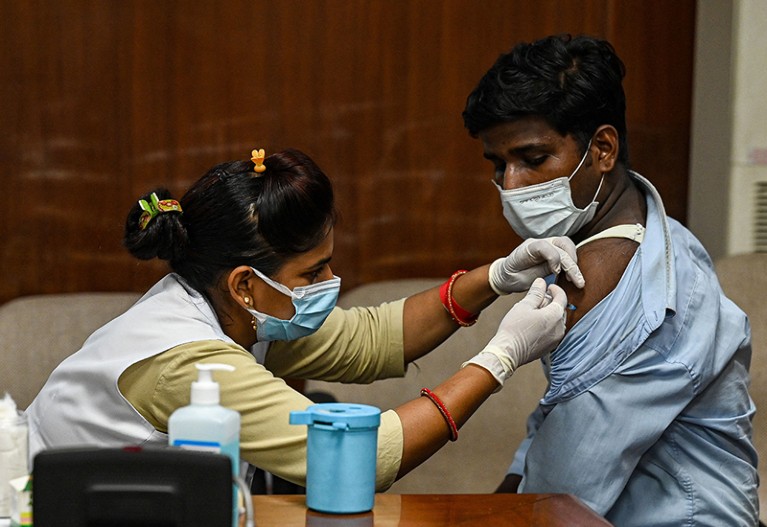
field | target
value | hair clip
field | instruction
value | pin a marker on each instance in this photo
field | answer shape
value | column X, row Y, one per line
column 154, row 207
column 258, row 159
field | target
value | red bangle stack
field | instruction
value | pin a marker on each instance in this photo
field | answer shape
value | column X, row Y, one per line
column 452, row 428
column 459, row 315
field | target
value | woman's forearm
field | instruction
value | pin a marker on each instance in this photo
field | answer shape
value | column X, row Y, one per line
column 426, row 322
column 425, row 429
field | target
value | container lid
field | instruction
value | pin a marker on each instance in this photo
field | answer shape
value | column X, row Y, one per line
column 343, row 416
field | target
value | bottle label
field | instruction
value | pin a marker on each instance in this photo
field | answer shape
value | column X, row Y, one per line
column 201, row 446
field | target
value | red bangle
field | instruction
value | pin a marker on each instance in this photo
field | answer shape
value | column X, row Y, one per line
column 452, row 428
column 459, row 315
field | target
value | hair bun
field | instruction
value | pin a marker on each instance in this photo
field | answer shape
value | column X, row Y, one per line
column 150, row 232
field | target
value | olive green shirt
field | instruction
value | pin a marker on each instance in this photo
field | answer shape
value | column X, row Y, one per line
column 354, row 345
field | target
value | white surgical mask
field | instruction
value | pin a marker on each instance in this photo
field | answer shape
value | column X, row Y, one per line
column 547, row 209
column 313, row 303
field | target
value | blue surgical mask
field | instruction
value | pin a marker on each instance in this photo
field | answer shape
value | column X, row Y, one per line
column 313, row 303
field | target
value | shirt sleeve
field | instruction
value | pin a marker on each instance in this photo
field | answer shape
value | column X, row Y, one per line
column 590, row 445
column 160, row 384
column 533, row 423
column 357, row 345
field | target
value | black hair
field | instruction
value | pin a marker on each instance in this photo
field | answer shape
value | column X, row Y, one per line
column 234, row 216
column 574, row 83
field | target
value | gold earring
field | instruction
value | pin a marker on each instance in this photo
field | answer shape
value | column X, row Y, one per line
column 246, row 299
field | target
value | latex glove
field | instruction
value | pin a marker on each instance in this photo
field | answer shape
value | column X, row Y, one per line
column 532, row 328
column 535, row 258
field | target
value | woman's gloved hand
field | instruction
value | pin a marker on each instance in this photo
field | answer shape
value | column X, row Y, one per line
column 533, row 327
column 535, row 258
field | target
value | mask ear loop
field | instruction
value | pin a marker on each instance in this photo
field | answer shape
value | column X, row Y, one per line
column 583, row 159
column 598, row 188
column 275, row 285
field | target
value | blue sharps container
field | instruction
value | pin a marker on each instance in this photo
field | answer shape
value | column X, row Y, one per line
column 341, row 453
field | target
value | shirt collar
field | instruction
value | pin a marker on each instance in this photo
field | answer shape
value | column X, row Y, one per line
column 657, row 256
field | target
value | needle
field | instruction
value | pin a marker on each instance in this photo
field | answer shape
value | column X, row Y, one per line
column 569, row 307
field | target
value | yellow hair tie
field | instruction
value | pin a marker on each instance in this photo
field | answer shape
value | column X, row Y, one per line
column 258, row 159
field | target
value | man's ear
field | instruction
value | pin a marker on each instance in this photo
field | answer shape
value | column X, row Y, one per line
column 241, row 284
column 607, row 142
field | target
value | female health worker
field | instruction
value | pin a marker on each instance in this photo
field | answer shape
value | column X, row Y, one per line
column 249, row 246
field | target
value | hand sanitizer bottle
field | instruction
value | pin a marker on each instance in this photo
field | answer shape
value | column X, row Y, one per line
column 207, row 426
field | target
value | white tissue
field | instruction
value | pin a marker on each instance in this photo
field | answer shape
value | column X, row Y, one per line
column 13, row 450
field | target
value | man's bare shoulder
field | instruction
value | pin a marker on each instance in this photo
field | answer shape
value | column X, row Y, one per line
column 602, row 263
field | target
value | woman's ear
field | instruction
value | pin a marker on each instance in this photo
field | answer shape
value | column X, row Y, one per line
column 607, row 143
column 241, row 285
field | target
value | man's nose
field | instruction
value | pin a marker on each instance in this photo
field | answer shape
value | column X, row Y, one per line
column 511, row 179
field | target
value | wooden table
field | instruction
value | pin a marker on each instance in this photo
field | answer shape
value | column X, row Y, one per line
column 432, row 510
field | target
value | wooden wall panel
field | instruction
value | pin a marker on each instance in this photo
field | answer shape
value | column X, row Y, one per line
column 655, row 39
column 101, row 101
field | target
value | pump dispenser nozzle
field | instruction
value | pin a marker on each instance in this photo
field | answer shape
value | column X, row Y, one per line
column 205, row 390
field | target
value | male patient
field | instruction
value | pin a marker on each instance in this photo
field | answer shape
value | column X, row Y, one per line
column 647, row 416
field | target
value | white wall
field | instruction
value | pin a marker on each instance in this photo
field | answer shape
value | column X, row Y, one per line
column 729, row 123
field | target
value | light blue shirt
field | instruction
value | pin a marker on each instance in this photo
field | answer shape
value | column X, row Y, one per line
column 647, row 417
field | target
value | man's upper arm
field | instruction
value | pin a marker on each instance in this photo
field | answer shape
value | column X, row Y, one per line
column 602, row 263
